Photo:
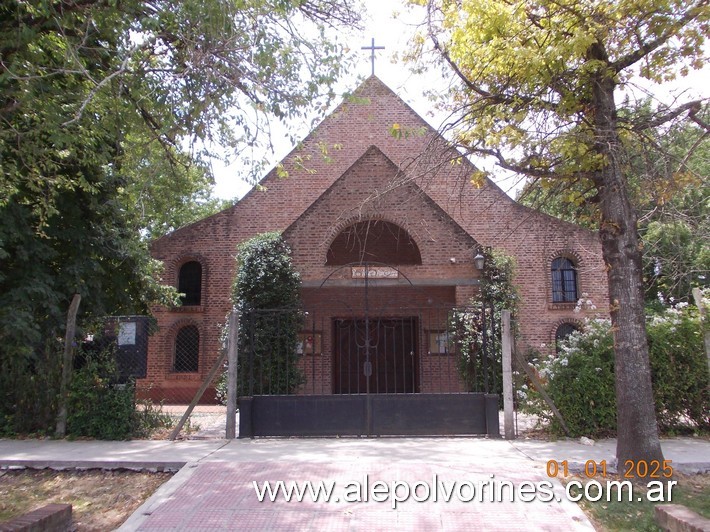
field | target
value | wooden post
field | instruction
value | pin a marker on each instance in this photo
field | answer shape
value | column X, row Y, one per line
column 67, row 366
column 232, row 357
column 205, row 384
column 698, row 296
column 506, row 341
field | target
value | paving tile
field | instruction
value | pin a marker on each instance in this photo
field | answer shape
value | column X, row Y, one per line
column 221, row 496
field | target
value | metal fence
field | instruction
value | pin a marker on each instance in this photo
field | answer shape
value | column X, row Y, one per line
column 328, row 349
column 402, row 350
column 125, row 339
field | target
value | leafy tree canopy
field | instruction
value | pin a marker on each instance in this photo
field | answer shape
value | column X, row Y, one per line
column 668, row 181
column 526, row 72
column 535, row 87
column 107, row 113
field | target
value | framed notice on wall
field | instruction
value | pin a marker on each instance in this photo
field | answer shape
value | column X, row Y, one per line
column 309, row 343
column 127, row 333
column 440, row 343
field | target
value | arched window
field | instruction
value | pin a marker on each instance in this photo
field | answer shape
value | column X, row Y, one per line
column 190, row 283
column 373, row 241
column 562, row 332
column 187, row 350
column 564, row 281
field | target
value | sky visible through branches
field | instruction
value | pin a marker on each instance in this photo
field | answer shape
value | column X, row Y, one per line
column 392, row 24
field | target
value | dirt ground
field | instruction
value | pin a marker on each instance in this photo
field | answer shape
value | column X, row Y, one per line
column 101, row 500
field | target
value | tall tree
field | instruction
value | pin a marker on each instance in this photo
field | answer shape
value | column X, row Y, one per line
column 669, row 188
column 107, row 113
column 535, row 87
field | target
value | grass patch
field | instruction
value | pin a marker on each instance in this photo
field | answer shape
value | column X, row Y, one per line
column 692, row 491
column 101, row 500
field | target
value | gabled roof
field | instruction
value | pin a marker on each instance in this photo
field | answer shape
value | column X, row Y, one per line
column 373, row 152
column 365, row 119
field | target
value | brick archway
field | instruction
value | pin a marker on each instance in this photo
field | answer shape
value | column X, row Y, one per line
column 373, row 240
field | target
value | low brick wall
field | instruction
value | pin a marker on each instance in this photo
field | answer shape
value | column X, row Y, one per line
column 50, row 518
column 678, row 518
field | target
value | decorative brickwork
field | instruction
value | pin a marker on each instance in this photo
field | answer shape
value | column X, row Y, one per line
column 368, row 174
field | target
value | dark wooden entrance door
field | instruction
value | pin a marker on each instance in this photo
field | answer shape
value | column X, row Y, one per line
column 375, row 355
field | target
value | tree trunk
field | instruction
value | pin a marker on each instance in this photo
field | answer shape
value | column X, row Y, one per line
column 637, row 430
column 67, row 366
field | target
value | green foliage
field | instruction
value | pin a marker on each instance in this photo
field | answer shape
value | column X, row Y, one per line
column 677, row 248
column 667, row 176
column 524, row 72
column 265, row 277
column 107, row 114
column 580, row 379
column 266, row 293
column 535, row 89
column 163, row 188
column 581, row 382
column 467, row 328
column 497, row 284
column 28, row 392
column 679, row 367
column 99, row 407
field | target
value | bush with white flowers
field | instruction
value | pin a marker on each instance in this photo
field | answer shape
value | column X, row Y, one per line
column 580, row 378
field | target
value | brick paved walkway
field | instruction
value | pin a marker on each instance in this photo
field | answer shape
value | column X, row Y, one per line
column 220, row 496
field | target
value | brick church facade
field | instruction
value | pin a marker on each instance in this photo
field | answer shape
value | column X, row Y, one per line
column 349, row 181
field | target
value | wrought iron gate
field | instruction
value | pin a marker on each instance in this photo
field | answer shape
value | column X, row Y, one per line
column 375, row 355
column 383, row 360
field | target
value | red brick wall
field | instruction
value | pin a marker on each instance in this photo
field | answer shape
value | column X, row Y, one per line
column 367, row 173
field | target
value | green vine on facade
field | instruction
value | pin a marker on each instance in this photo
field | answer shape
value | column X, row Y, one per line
column 266, row 293
column 476, row 330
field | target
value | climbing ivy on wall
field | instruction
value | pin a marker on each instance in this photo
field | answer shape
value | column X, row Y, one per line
column 469, row 327
column 266, row 293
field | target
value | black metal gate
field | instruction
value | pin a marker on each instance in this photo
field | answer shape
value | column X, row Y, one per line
column 375, row 355
column 369, row 358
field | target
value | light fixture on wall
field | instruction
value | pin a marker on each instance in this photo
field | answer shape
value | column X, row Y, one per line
column 479, row 260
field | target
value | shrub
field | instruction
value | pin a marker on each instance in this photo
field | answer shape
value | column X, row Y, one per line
column 96, row 406
column 149, row 417
column 580, row 379
column 679, row 368
column 99, row 407
column 266, row 293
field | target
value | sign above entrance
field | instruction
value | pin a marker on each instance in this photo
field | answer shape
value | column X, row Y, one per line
column 374, row 272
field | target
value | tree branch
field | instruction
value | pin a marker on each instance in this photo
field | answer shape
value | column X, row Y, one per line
column 645, row 49
column 691, row 107
column 528, row 170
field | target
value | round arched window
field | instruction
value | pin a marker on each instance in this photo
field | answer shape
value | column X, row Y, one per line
column 373, row 241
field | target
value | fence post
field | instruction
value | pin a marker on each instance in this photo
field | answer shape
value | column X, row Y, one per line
column 232, row 356
column 67, row 366
column 506, row 343
column 196, row 399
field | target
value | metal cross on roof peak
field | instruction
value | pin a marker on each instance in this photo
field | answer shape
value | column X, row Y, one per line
column 372, row 49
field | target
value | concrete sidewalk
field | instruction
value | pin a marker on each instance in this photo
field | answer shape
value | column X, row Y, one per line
column 689, row 455
column 213, row 489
